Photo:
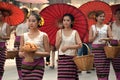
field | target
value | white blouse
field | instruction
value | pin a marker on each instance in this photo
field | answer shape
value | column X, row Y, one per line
column 21, row 29
column 3, row 31
column 66, row 41
column 37, row 41
column 102, row 33
column 116, row 31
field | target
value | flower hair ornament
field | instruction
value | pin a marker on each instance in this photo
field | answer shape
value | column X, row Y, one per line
column 41, row 23
column 91, row 15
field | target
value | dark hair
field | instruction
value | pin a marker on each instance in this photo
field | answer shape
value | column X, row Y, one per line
column 25, row 10
column 98, row 13
column 70, row 16
column 37, row 16
column 117, row 10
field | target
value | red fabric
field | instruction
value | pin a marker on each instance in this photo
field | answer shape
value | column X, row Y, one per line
column 95, row 6
column 12, row 14
column 86, row 37
column 53, row 14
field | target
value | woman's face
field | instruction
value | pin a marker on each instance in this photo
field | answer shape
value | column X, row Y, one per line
column 67, row 22
column 117, row 15
column 100, row 18
column 32, row 22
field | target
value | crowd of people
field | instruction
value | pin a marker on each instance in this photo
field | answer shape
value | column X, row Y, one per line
column 68, row 44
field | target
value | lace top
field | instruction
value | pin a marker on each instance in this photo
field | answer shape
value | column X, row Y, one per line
column 66, row 41
column 37, row 40
column 102, row 33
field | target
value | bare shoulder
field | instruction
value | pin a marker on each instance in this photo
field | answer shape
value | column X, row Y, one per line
column 76, row 32
column 44, row 35
column 59, row 31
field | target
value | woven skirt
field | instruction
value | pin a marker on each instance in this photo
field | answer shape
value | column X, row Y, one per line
column 102, row 63
column 33, row 70
column 67, row 69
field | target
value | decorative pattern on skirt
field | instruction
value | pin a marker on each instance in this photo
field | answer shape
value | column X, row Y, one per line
column 17, row 41
column 2, row 57
column 116, row 61
column 102, row 64
column 18, row 59
column 33, row 70
column 67, row 69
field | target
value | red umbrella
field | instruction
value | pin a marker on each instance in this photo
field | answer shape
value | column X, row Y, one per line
column 91, row 7
column 53, row 14
column 12, row 14
column 114, row 7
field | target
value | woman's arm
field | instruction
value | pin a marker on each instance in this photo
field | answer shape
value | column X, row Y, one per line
column 58, row 39
column 12, row 28
column 21, row 53
column 46, row 47
column 7, row 37
column 109, row 32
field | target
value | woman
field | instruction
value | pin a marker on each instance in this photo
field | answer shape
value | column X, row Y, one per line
column 97, row 33
column 20, row 29
column 67, row 41
column 34, row 70
column 116, row 36
column 4, row 35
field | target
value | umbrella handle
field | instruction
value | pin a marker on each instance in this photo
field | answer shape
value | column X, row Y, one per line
column 30, row 5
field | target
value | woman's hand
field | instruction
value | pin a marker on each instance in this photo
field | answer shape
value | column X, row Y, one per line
column 96, row 33
column 64, row 48
column 21, row 54
column 105, row 39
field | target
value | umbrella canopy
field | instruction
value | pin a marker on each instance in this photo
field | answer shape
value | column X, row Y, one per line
column 52, row 16
column 91, row 7
column 114, row 7
column 33, row 1
column 12, row 14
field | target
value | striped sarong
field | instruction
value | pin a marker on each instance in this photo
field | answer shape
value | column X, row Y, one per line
column 102, row 64
column 18, row 59
column 67, row 69
column 33, row 70
column 116, row 64
column 116, row 61
column 17, row 41
column 2, row 57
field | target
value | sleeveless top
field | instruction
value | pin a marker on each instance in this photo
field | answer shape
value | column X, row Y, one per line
column 3, row 31
column 115, row 31
column 66, row 41
column 102, row 33
column 37, row 40
column 21, row 29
